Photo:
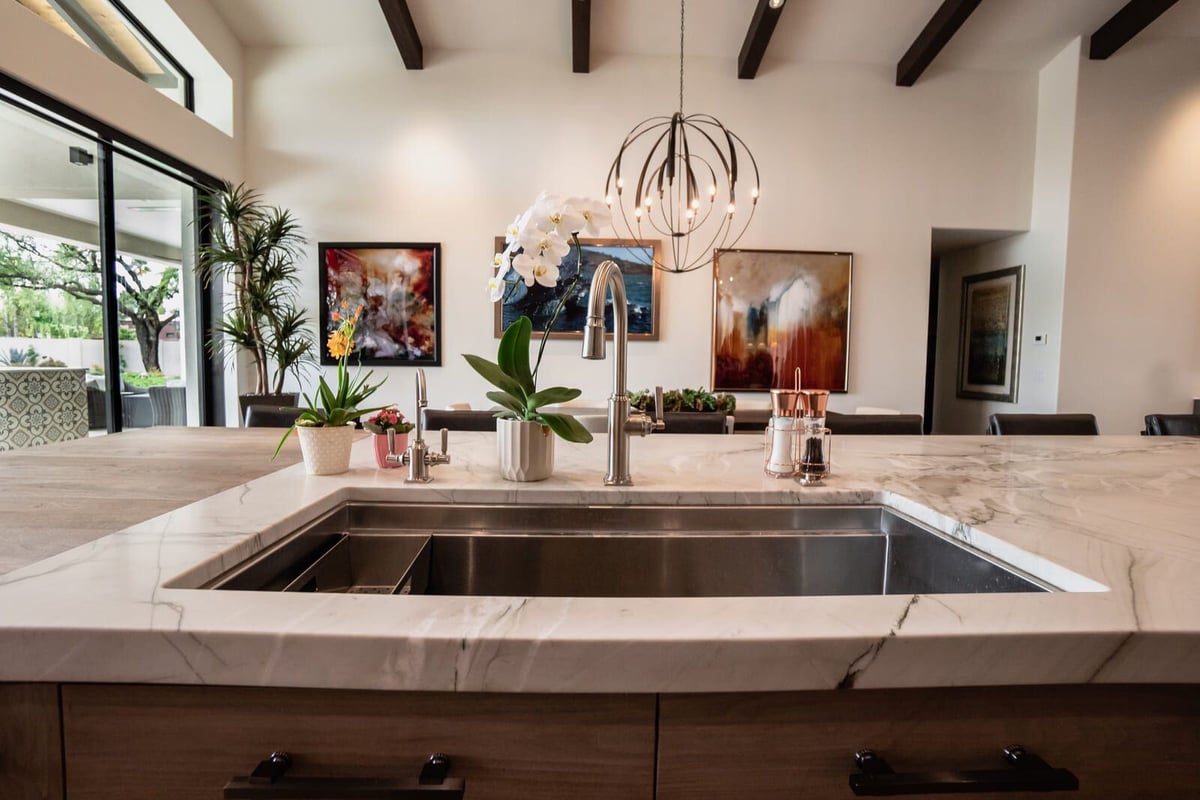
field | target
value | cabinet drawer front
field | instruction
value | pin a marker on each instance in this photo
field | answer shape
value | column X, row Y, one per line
column 30, row 742
column 1120, row 741
column 156, row 742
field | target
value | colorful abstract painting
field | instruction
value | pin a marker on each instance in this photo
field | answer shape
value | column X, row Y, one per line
column 539, row 302
column 398, row 288
column 989, row 349
column 776, row 311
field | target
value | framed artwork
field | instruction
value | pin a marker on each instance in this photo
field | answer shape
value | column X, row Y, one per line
column 778, row 310
column 538, row 302
column 989, row 350
column 398, row 286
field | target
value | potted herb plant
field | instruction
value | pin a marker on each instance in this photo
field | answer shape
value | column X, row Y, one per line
column 535, row 244
column 325, row 425
column 254, row 247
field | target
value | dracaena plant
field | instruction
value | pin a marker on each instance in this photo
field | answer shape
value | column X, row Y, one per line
column 535, row 245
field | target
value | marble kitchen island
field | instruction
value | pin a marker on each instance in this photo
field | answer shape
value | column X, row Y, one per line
column 1115, row 521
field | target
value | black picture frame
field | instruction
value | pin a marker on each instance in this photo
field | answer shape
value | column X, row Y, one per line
column 989, row 354
column 345, row 271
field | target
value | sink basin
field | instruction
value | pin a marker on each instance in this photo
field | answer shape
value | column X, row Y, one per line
column 622, row 551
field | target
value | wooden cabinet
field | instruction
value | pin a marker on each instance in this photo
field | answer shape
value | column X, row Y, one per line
column 1120, row 741
column 152, row 743
column 30, row 742
column 180, row 743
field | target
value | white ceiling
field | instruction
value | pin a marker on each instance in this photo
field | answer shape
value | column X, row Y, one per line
column 1000, row 35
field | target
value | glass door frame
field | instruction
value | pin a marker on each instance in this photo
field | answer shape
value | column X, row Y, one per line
column 111, row 142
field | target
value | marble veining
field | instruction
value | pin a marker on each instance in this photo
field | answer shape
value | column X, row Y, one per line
column 1115, row 520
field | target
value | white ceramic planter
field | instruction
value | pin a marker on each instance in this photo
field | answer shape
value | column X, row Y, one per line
column 326, row 450
column 525, row 450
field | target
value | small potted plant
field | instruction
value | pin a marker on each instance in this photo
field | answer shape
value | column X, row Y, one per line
column 388, row 419
column 325, row 427
column 535, row 244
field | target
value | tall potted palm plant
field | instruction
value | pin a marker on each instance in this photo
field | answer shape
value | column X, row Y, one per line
column 254, row 249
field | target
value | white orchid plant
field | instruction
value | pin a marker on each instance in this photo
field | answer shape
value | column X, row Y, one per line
column 535, row 244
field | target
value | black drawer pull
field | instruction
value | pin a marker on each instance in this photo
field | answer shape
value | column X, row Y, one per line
column 1025, row 773
column 270, row 781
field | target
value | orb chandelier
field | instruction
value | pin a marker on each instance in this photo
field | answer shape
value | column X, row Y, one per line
column 685, row 188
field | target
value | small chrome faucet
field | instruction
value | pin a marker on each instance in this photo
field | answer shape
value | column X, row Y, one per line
column 418, row 457
column 621, row 423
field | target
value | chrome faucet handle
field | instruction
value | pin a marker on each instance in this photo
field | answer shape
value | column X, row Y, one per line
column 660, row 413
column 432, row 459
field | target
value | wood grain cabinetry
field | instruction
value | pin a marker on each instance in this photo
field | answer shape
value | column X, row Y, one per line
column 1120, row 741
column 157, row 742
column 152, row 743
column 30, row 742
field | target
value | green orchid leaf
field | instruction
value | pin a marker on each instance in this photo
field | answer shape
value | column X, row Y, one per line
column 508, row 401
column 513, row 353
column 554, row 394
column 566, row 426
column 495, row 376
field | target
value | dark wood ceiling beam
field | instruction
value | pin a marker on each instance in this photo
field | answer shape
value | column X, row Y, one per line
column 937, row 34
column 762, row 25
column 1124, row 25
column 400, row 20
column 581, row 35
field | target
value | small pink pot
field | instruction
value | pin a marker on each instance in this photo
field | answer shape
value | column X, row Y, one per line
column 381, row 449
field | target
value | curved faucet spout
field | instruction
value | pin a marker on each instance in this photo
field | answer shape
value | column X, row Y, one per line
column 608, row 279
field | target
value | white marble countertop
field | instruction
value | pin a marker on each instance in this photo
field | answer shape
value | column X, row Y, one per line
column 1117, row 518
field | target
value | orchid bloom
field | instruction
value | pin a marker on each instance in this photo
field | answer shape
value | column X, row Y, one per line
column 547, row 244
column 552, row 213
column 596, row 215
column 536, row 270
column 496, row 286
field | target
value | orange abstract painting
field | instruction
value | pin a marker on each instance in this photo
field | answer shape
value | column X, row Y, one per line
column 776, row 311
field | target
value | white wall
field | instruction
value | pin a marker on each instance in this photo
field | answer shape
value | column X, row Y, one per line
column 363, row 150
column 1131, row 320
column 39, row 55
column 1043, row 251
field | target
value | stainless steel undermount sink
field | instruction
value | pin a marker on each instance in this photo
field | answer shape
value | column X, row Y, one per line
column 621, row 551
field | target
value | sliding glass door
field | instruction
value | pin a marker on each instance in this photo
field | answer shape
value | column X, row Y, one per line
column 51, row 283
column 97, row 276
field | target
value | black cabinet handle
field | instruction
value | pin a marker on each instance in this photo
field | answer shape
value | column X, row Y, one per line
column 1025, row 773
column 270, row 781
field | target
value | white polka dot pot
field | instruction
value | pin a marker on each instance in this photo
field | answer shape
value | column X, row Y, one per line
column 326, row 450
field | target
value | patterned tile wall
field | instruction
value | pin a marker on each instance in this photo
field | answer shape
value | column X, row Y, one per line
column 41, row 405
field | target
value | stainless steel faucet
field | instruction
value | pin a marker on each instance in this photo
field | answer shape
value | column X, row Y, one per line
column 620, row 422
column 417, row 457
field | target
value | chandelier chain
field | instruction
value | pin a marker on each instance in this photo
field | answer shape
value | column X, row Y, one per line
column 681, row 4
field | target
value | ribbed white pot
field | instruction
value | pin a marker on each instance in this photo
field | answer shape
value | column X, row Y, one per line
column 326, row 450
column 525, row 450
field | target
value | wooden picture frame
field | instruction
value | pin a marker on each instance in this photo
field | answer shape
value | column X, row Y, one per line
column 778, row 310
column 643, row 287
column 399, row 286
column 989, row 354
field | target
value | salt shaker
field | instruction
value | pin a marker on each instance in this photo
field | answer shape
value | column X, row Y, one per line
column 783, row 433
